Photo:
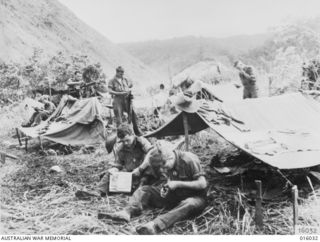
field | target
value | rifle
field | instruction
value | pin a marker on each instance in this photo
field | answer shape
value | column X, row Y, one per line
column 130, row 109
column 88, row 84
column 132, row 117
column 85, row 87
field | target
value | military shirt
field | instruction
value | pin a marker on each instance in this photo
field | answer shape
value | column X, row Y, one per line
column 130, row 158
column 74, row 89
column 121, row 85
column 187, row 167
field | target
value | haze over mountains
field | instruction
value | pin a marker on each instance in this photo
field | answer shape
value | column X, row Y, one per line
column 52, row 27
column 173, row 55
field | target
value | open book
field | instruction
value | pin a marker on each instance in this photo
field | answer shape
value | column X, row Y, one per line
column 120, row 182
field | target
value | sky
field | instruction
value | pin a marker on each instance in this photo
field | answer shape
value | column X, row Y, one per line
column 142, row 20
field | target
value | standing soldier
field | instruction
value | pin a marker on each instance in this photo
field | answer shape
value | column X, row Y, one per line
column 248, row 79
column 120, row 89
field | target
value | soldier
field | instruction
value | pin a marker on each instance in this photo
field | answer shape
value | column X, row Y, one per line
column 129, row 155
column 248, row 79
column 74, row 85
column 41, row 114
column 159, row 100
column 184, row 191
column 120, row 89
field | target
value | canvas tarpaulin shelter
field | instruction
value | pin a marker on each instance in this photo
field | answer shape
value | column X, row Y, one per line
column 282, row 131
column 73, row 123
column 226, row 92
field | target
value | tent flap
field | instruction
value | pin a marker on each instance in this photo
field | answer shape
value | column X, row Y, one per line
column 175, row 126
column 282, row 131
column 73, row 123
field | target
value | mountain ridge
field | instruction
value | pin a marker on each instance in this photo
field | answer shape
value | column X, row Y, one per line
column 178, row 53
column 52, row 27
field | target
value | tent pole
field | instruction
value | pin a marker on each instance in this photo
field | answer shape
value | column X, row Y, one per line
column 40, row 141
column 186, row 130
column 259, row 214
column 18, row 135
column 294, row 192
column 26, row 144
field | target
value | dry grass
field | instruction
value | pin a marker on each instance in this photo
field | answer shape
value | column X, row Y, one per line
column 35, row 201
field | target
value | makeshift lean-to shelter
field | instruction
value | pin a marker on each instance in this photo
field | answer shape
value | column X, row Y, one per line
column 75, row 122
column 282, row 131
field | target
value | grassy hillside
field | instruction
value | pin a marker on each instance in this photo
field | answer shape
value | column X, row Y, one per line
column 50, row 26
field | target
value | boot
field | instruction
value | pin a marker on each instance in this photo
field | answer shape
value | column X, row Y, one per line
column 121, row 216
column 147, row 229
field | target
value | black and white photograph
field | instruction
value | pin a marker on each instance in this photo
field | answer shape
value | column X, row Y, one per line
column 159, row 117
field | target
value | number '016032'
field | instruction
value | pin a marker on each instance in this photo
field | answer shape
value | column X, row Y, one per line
column 309, row 237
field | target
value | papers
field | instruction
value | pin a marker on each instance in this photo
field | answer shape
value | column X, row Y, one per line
column 120, row 182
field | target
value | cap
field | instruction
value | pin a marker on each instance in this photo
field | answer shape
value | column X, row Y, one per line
column 120, row 69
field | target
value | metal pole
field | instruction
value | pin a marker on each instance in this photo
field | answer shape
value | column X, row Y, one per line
column 295, row 207
column 186, row 130
column 258, row 215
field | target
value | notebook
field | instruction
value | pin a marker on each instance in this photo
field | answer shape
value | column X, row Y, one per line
column 120, row 182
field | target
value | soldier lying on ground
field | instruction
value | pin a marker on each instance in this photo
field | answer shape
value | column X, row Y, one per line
column 41, row 114
column 129, row 155
column 184, row 191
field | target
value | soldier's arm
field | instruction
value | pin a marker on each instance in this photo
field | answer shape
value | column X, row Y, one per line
column 249, row 75
column 199, row 181
column 143, row 166
column 146, row 146
column 118, row 163
column 70, row 82
column 112, row 91
column 199, row 184
column 117, row 93
column 129, row 83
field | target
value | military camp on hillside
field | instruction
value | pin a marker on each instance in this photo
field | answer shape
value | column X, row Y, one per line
column 102, row 139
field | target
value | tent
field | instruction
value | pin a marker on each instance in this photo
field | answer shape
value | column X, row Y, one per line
column 73, row 123
column 225, row 92
column 282, row 131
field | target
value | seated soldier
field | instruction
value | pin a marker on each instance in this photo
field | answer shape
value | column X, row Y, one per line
column 41, row 114
column 184, row 191
column 129, row 155
column 74, row 85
